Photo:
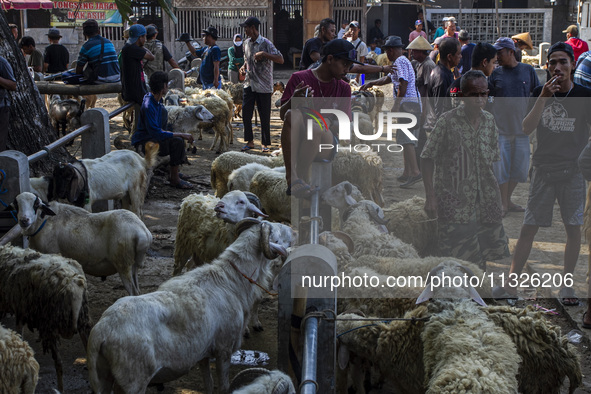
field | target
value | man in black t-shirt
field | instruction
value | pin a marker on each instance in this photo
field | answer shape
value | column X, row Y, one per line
column 562, row 117
column 312, row 51
column 441, row 77
column 56, row 57
column 132, row 72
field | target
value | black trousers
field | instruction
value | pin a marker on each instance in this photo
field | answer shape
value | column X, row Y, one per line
column 263, row 102
column 175, row 147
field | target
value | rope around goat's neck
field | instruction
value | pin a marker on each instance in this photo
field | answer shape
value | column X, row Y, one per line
column 254, row 282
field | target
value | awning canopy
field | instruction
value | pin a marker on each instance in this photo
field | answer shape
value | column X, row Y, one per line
column 26, row 4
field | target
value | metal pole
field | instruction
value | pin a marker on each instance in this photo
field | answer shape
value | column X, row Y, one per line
column 309, row 385
column 498, row 20
column 57, row 143
column 314, row 203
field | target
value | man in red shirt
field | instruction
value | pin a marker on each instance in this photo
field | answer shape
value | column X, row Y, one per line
column 324, row 81
column 572, row 39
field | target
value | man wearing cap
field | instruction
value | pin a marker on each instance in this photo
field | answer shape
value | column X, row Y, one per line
column 132, row 71
column 325, row 84
column 313, row 47
column 417, row 32
column 209, row 72
column 572, row 39
column 27, row 45
column 160, row 52
column 522, row 42
column 407, row 99
column 56, row 56
column 429, row 29
column 96, row 53
column 511, row 81
column 259, row 56
column 561, row 117
column 360, row 47
column 467, row 48
column 423, row 66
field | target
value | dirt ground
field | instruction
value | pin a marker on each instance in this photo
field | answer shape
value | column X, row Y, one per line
column 161, row 211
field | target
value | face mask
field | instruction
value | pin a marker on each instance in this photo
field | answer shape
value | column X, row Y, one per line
column 238, row 43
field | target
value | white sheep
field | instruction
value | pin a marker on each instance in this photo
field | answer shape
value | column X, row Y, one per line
column 103, row 243
column 269, row 382
column 408, row 221
column 270, row 186
column 240, row 178
column 160, row 336
column 206, row 226
column 47, row 293
column 188, row 119
column 365, row 223
column 121, row 174
column 230, row 103
column 222, row 167
column 236, row 91
column 363, row 169
column 19, row 371
column 222, row 116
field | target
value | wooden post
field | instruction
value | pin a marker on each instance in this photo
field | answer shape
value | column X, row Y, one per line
column 498, row 20
column 15, row 180
column 96, row 143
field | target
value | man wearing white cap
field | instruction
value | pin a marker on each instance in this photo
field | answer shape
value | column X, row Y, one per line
column 418, row 32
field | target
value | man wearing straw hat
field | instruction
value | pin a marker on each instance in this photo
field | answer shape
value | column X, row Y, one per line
column 423, row 65
column 522, row 42
column 56, row 57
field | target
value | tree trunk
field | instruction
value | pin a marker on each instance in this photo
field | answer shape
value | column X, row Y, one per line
column 30, row 128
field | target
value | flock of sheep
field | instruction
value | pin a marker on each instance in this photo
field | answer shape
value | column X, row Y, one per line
column 233, row 245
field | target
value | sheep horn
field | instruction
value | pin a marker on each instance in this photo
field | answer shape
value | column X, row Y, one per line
column 347, row 240
column 264, row 240
column 255, row 205
column 245, row 224
column 373, row 214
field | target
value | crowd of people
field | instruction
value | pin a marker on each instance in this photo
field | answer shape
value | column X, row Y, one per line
column 471, row 144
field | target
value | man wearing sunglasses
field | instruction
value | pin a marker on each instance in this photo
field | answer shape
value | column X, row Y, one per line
column 326, row 85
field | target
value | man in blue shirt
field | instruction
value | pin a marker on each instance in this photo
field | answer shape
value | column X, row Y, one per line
column 209, row 73
column 90, row 56
column 152, row 117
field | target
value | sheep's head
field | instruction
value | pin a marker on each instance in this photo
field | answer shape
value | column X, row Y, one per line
column 29, row 206
column 69, row 183
column 450, row 280
column 374, row 211
column 274, row 239
column 237, row 205
column 203, row 114
column 342, row 195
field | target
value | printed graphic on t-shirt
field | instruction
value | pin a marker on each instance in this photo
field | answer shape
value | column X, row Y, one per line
column 555, row 118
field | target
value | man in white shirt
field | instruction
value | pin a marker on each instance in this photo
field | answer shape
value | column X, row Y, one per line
column 344, row 26
column 352, row 35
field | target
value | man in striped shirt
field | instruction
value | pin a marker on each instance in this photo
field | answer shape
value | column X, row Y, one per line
column 90, row 56
column 259, row 56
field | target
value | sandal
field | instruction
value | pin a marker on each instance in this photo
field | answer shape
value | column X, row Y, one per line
column 182, row 185
column 567, row 297
column 266, row 150
column 300, row 189
column 184, row 177
column 516, row 208
column 585, row 325
column 245, row 148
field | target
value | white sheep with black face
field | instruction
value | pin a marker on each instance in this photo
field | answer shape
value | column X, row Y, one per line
column 104, row 243
column 161, row 336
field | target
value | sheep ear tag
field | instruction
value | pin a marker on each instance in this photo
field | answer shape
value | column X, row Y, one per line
column 425, row 295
